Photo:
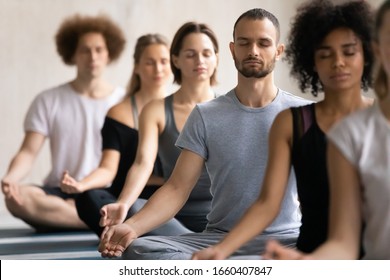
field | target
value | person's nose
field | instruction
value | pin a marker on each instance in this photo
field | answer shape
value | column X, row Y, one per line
column 338, row 60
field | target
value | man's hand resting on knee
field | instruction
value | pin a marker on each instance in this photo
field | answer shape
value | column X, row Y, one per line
column 116, row 239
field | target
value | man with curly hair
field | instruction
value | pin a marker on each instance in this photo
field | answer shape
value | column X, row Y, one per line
column 70, row 116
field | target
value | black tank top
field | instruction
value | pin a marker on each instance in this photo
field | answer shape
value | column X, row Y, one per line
column 124, row 139
column 309, row 162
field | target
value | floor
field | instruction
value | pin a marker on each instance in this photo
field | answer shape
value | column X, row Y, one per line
column 20, row 242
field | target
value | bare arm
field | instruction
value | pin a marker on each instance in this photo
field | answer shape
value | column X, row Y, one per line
column 99, row 178
column 345, row 209
column 106, row 171
column 345, row 223
column 150, row 125
column 155, row 181
column 264, row 210
column 170, row 198
column 140, row 171
column 22, row 162
column 161, row 207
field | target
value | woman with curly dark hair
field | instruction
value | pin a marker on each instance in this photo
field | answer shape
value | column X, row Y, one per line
column 359, row 171
column 70, row 116
column 329, row 48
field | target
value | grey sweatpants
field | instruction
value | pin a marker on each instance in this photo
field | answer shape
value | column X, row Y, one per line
column 182, row 247
column 172, row 227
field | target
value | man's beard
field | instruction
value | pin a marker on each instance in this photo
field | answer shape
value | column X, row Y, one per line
column 255, row 73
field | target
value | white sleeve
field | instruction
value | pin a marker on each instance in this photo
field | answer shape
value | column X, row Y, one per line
column 344, row 135
column 37, row 117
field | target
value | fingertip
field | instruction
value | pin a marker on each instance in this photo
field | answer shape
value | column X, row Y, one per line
column 270, row 245
column 104, row 253
column 102, row 222
column 118, row 253
column 103, row 234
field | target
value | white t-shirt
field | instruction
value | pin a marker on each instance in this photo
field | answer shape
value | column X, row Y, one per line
column 364, row 139
column 72, row 124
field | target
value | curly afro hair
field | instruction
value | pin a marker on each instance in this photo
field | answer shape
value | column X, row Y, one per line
column 314, row 20
column 74, row 27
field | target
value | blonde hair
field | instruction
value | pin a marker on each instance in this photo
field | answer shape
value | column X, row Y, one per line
column 381, row 85
column 142, row 43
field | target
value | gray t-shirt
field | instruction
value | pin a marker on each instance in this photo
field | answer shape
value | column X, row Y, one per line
column 233, row 140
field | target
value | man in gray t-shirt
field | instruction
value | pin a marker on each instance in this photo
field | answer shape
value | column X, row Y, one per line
column 233, row 140
column 230, row 135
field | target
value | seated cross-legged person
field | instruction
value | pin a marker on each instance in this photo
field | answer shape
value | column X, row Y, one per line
column 194, row 60
column 229, row 134
column 298, row 135
column 359, row 172
column 70, row 116
column 150, row 76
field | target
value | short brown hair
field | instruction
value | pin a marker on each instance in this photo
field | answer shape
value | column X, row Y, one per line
column 72, row 28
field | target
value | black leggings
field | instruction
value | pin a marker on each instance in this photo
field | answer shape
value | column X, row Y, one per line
column 88, row 206
column 89, row 203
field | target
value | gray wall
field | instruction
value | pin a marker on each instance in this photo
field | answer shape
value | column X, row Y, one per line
column 29, row 62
